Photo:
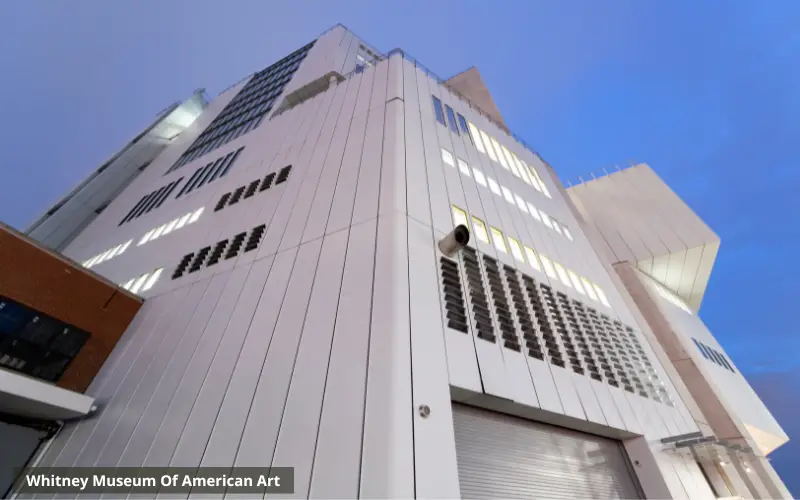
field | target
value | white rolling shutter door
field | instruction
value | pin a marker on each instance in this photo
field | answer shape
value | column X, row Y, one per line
column 505, row 457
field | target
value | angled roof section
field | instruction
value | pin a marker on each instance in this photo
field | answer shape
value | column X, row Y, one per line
column 644, row 222
column 470, row 84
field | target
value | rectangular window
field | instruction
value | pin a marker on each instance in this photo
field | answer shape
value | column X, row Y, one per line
column 510, row 161
column 521, row 169
column 557, row 226
column 562, row 274
column 460, row 217
column 494, row 186
column 516, row 249
column 158, row 231
column 589, row 288
column 507, row 194
column 521, row 203
column 548, row 267
column 152, row 280
column 196, row 215
column 145, row 238
column 138, row 283
column 533, row 260
column 497, row 238
column 479, row 176
column 462, row 165
column 499, row 152
column 447, row 158
column 533, row 175
column 183, row 220
column 576, row 282
column 451, row 119
column 480, row 230
column 462, row 124
column 170, row 226
column 437, row 109
column 534, row 212
column 601, row 295
column 476, row 137
column 488, row 143
column 546, row 220
column 567, row 233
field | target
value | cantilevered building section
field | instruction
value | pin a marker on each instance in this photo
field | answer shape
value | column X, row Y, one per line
column 300, row 312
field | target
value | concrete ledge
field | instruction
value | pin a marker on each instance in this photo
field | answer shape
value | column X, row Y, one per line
column 28, row 397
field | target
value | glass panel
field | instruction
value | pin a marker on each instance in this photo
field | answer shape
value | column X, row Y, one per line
column 488, row 143
column 462, row 123
column 516, row 249
column 548, row 266
column 437, row 109
column 567, row 233
column 510, row 161
column 546, row 220
column 576, row 282
column 479, row 177
column 521, row 169
column 534, row 212
column 447, row 158
column 499, row 151
column 507, row 194
column 521, row 203
column 183, row 220
column 170, row 226
column 138, row 283
column 462, row 165
column 532, row 259
column 196, row 215
column 476, row 137
column 589, row 288
column 152, row 280
column 480, row 230
column 460, row 217
column 494, row 186
column 562, row 274
column 497, row 238
column 451, row 119
column 158, row 231
column 601, row 295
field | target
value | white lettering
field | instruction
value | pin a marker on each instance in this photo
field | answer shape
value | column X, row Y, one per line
column 269, row 481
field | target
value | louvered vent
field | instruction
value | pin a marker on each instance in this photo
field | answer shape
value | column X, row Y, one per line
column 255, row 237
column 182, row 265
column 283, row 174
column 199, row 259
column 543, row 320
column 477, row 296
column 237, row 195
column 533, row 343
column 501, row 307
column 222, row 201
column 453, row 295
column 562, row 330
column 217, row 253
column 236, row 245
column 267, row 182
column 251, row 189
column 595, row 341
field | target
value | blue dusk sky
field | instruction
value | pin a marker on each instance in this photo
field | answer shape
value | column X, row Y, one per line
column 707, row 93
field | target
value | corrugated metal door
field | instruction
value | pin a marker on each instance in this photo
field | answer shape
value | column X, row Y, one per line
column 505, row 457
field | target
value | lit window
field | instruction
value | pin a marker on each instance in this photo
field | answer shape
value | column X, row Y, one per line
column 183, row 220
column 532, row 259
column 479, row 177
column 113, row 252
column 170, row 226
column 516, row 249
column 158, row 231
column 499, row 152
column 152, row 280
column 557, row 227
column 89, row 262
column 127, row 285
column 602, row 296
column 447, row 157
column 548, row 266
column 138, row 283
column 589, row 288
column 125, row 246
column 451, row 119
column 546, row 220
column 476, row 137
column 103, row 257
column 480, row 230
column 196, row 215
column 488, row 143
column 510, row 162
column 567, row 233
column 437, row 109
column 576, row 282
column 521, row 169
column 145, row 238
column 534, row 212
column 497, row 238
column 507, row 195
column 459, row 216
column 494, row 186
column 534, row 176
column 562, row 274
column 462, row 165
column 521, row 203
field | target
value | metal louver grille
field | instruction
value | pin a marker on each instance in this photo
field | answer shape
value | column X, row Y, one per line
column 477, row 296
column 456, row 312
column 501, row 309
column 533, row 342
column 561, row 328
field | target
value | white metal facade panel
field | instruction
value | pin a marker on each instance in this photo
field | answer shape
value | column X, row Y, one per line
column 505, row 457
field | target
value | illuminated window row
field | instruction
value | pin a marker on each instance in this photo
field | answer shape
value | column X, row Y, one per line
column 489, row 146
column 144, row 282
column 527, row 254
column 107, row 255
column 173, row 225
column 514, row 199
column 161, row 230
